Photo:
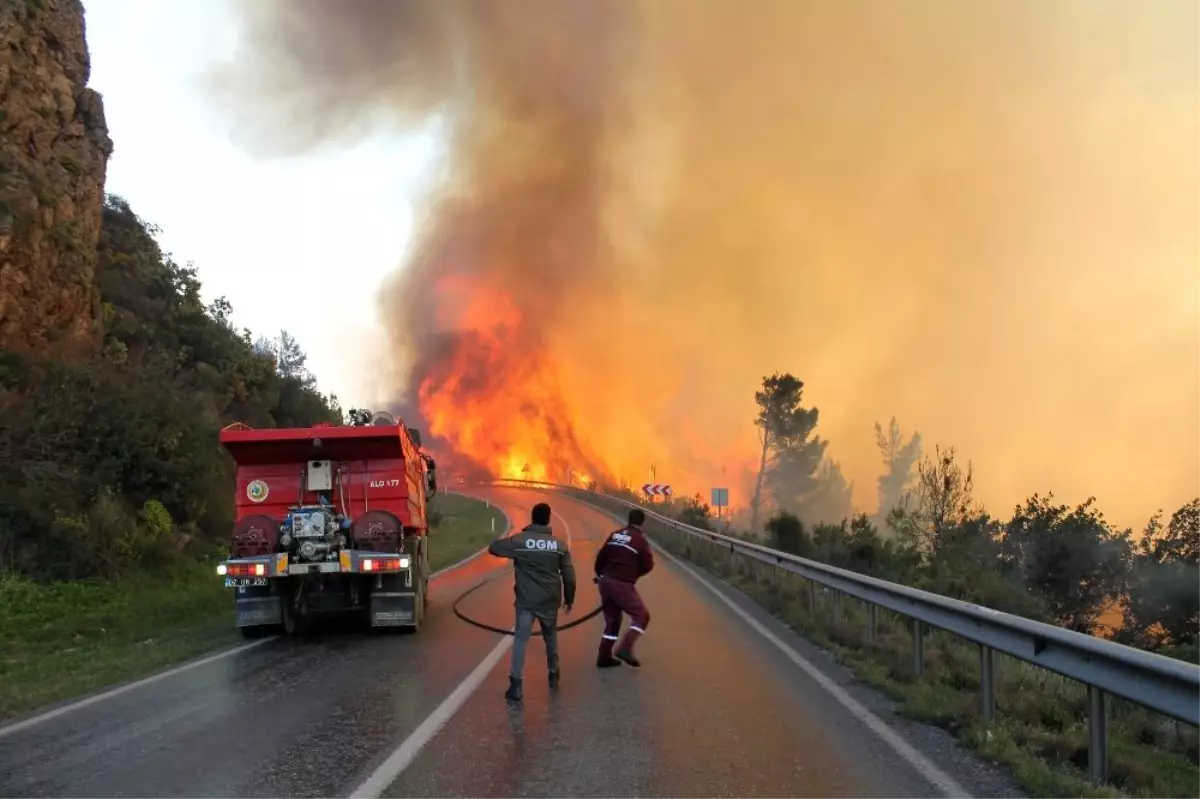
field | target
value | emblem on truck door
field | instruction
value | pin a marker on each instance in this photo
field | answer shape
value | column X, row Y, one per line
column 257, row 491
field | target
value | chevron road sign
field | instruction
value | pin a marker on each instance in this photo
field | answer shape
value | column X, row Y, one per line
column 657, row 490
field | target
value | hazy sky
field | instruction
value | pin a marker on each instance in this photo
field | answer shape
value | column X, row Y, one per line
column 981, row 217
column 299, row 243
column 978, row 216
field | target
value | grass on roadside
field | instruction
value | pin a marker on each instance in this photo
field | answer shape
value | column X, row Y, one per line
column 461, row 526
column 1040, row 732
column 62, row 640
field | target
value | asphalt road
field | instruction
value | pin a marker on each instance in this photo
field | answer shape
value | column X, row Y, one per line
column 718, row 709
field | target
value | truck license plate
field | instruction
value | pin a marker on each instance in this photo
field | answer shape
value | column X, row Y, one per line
column 238, row 582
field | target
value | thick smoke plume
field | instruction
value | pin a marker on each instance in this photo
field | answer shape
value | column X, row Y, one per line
column 978, row 217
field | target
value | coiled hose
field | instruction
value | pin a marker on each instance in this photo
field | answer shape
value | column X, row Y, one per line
column 501, row 630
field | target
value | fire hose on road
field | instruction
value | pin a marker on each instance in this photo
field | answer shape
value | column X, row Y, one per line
column 501, row 630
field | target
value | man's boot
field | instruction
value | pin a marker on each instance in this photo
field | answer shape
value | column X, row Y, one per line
column 605, row 659
column 625, row 652
column 627, row 656
column 513, row 694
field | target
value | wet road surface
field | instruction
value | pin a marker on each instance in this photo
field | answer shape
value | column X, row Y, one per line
column 716, row 710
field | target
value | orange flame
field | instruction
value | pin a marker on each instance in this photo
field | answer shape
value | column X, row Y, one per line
column 494, row 398
column 504, row 403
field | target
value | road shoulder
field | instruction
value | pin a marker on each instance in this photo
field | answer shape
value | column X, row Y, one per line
column 977, row 777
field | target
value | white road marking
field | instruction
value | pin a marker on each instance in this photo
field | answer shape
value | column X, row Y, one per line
column 948, row 786
column 563, row 519
column 237, row 650
column 469, row 558
column 390, row 769
column 91, row 700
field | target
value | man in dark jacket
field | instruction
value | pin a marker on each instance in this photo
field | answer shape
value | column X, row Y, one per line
column 624, row 558
column 545, row 580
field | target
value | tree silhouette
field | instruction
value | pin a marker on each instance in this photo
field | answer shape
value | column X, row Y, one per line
column 899, row 457
column 790, row 454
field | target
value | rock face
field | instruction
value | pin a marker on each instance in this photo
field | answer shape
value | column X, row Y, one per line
column 54, row 150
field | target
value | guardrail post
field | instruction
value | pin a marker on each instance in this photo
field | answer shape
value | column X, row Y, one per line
column 871, row 622
column 918, row 649
column 812, row 596
column 1097, row 736
column 837, row 607
column 987, row 682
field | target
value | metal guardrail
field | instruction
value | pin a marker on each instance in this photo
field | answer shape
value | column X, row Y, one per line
column 1162, row 684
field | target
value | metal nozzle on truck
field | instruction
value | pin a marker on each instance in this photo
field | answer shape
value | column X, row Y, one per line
column 329, row 521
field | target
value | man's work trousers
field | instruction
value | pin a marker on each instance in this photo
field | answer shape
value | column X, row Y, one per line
column 617, row 597
column 524, row 628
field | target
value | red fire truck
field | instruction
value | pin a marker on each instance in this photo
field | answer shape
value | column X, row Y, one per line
column 330, row 520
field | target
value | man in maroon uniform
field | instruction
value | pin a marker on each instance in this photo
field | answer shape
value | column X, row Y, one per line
column 624, row 558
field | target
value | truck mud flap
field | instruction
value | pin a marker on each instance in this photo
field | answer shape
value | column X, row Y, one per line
column 392, row 609
column 253, row 611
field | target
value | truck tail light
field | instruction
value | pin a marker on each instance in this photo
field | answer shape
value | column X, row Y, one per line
column 245, row 569
column 385, row 564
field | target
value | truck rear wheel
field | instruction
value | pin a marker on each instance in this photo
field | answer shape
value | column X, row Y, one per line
column 257, row 631
column 419, row 603
column 425, row 572
column 295, row 620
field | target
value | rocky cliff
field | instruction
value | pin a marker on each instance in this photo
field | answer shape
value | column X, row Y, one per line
column 54, row 150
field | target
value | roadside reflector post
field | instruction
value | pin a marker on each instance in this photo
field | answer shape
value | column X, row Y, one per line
column 1097, row 736
column 918, row 649
column 987, row 682
column 871, row 622
column 493, row 524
